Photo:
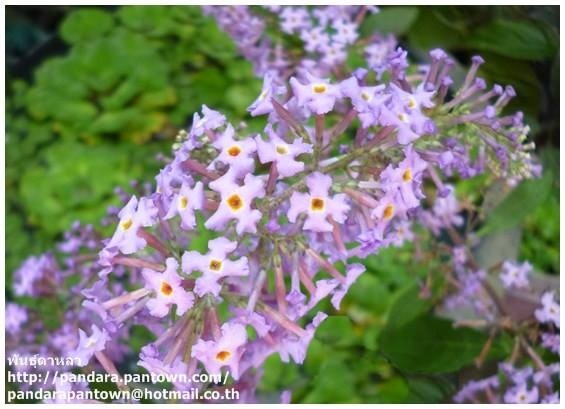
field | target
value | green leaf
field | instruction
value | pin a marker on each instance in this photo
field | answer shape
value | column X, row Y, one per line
column 408, row 305
column 84, row 25
column 337, row 331
column 430, row 345
column 395, row 20
column 520, row 202
column 517, row 39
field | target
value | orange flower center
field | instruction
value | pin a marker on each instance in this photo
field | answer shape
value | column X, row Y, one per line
column 223, row 356
column 407, row 175
column 317, row 204
column 235, row 202
column 234, row 151
column 215, row 265
column 388, row 212
column 166, row 288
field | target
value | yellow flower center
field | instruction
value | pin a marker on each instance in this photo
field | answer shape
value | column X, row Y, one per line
column 183, row 202
column 234, row 151
column 366, row 97
column 388, row 212
column 90, row 342
column 263, row 95
column 235, row 202
column 317, row 204
column 126, row 224
column 166, row 288
column 403, row 117
column 407, row 175
column 412, row 103
column 319, row 88
column 223, row 356
column 281, row 149
column 215, row 264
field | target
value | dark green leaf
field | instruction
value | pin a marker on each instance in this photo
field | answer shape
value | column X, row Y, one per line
column 395, row 20
column 430, row 345
column 518, row 204
column 516, row 39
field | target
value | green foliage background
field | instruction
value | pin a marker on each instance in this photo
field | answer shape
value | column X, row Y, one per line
column 94, row 94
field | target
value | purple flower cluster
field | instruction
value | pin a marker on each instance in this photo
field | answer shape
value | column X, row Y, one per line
column 226, row 257
column 326, row 33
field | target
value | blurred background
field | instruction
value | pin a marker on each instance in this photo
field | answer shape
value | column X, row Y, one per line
column 95, row 94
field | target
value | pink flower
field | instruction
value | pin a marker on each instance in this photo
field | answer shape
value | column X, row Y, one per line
column 214, row 265
column 318, row 205
column 236, row 203
column 133, row 216
column 226, row 351
column 318, row 95
column 282, row 153
column 168, row 290
column 185, row 202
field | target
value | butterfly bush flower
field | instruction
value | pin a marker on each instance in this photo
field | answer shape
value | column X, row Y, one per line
column 282, row 153
column 236, row 154
column 135, row 215
column 185, row 202
column 168, row 290
column 214, row 265
column 235, row 203
column 89, row 345
column 549, row 311
column 515, row 275
column 225, row 351
column 318, row 95
column 318, row 205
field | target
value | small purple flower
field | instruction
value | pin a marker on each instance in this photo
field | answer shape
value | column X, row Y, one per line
column 551, row 342
column 210, row 120
column 133, row 216
column 318, row 95
column 318, row 205
column 366, row 100
column 185, row 202
column 314, row 39
column 214, row 265
column 236, row 203
column 521, row 394
column 238, row 154
column 389, row 206
column 168, row 290
column 16, row 316
column 549, row 311
column 353, row 272
column 406, row 177
column 262, row 105
column 282, row 153
column 293, row 19
column 552, row 399
column 515, row 275
column 88, row 345
column 346, row 32
column 226, row 351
